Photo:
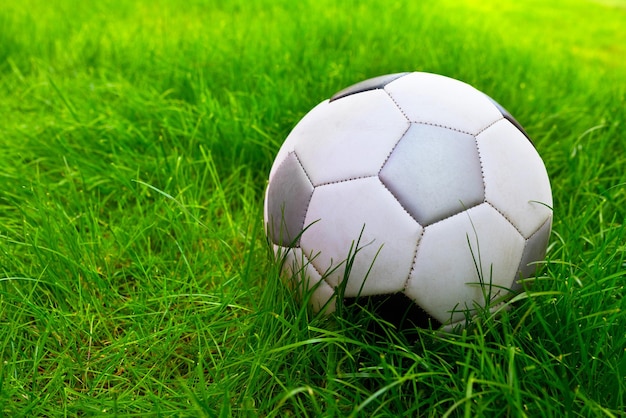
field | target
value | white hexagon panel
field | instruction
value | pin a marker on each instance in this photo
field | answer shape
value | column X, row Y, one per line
column 441, row 101
column 349, row 138
column 516, row 181
column 426, row 188
column 385, row 233
column 464, row 260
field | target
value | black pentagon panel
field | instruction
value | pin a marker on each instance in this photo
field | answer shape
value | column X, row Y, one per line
column 288, row 194
column 510, row 118
column 370, row 84
column 534, row 250
column 434, row 173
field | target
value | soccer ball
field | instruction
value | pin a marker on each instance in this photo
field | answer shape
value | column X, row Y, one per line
column 413, row 187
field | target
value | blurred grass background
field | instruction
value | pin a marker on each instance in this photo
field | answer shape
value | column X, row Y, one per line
column 136, row 139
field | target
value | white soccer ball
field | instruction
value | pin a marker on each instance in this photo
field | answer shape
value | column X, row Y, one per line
column 436, row 184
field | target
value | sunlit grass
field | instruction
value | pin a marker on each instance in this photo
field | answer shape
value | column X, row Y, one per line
column 136, row 139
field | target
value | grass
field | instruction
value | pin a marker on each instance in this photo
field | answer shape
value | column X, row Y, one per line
column 135, row 279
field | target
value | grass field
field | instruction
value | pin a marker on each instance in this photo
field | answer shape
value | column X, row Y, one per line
column 135, row 143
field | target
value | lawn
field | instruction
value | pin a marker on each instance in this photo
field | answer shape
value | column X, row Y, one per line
column 136, row 139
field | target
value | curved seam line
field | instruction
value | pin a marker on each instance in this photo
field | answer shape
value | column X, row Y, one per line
column 393, row 149
column 308, row 205
column 346, row 180
column 519, row 267
column 412, row 269
column 465, row 209
column 438, row 125
column 323, row 276
column 482, row 167
column 309, row 262
column 507, row 219
column 400, row 203
column 490, row 125
column 397, row 104
column 540, row 226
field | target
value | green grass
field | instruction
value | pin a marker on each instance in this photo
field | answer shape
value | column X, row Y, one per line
column 136, row 138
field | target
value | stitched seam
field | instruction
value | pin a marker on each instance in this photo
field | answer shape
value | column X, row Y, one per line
column 539, row 229
column 438, row 125
column 399, row 202
column 519, row 267
column 507, row 219
column 482, row 167
column 465, row 209
column 345, row 180
column 310, row 263
column 306, row 212
column 412, row 269
column 394, row 148
column 301, row 165
column 489, row 126
column 398, row 106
